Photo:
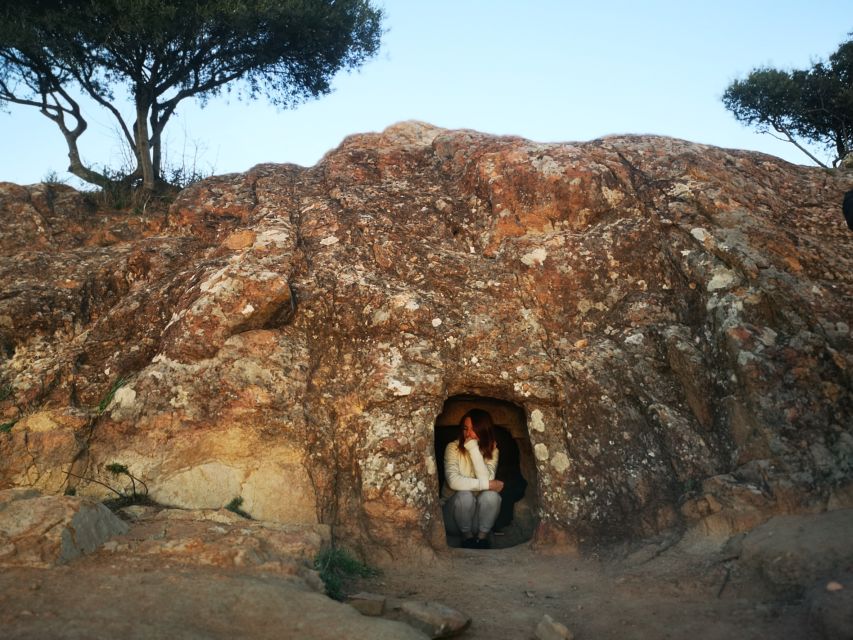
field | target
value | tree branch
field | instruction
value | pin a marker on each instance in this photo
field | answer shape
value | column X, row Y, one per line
column 86, row 83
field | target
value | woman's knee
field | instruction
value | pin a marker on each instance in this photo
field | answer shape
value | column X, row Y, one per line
column 464, row 499
column 490, row 498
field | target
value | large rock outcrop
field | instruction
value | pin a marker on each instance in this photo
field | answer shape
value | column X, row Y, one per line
column 672, row 319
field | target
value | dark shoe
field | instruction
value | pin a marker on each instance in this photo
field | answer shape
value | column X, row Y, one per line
column 483, row 543
column 470, row 543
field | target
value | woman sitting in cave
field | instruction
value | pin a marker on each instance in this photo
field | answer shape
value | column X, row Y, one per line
column 470, row 495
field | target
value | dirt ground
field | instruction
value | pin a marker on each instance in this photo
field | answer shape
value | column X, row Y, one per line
column 653, row 593
column 674, row 595
column 98, row 598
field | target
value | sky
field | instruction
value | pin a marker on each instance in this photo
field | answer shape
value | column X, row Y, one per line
column 547, row 70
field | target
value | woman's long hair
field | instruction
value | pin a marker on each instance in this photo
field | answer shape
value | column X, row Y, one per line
column 484, row 428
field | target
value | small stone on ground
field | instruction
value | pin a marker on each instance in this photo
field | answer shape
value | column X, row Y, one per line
column 549, row 629
column 433, row 618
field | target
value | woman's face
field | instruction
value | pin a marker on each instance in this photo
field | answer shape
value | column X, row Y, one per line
column 468, row 429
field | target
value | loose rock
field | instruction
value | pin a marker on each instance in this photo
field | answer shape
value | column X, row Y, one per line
column 433, row 618
column 792, row 552
column 548, row 629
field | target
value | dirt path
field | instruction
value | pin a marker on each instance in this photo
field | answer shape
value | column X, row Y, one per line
column 507, row 591
column 177, row 578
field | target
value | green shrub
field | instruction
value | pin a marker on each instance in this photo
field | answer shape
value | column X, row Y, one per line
column 234, row 506
column 337, row 567
column 52, row 178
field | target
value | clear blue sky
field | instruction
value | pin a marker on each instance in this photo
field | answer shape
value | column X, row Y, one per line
column 548, row 70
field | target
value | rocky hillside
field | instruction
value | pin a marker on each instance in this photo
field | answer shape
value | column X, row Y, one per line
column 672, row 320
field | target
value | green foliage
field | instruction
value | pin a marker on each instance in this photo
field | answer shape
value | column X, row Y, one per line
column 234, row 506
column 123, row 191
column 6, row 392
column 116, row 469
column 337, row 567
column 161, row 52
column 182, row 176
column 813, row 105
column 107, row 399
column 6, row 427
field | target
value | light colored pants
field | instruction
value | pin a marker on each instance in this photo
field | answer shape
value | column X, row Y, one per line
column 465, row 512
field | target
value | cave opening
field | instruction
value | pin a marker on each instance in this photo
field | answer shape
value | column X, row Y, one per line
column 517, row 519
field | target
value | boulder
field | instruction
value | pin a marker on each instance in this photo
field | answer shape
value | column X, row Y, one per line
column 831, row 607
column 792, row 552
column 44, row 531
column 222, row 539
column 433, row 618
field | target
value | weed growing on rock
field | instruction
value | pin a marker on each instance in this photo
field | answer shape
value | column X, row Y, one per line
column 107, row 399
column 6, row 427
column 690, row 486
column 118, row 470
column 123, row 498
column 234, row 506
column 337, row 567
column 6, row 392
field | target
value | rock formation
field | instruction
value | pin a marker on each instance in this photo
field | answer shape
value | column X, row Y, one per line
column 44, row 531
column 671, row 319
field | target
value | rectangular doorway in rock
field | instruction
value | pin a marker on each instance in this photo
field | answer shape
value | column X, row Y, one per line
column 517, row 519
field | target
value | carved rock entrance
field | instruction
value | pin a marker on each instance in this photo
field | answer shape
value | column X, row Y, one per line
column 517, row 466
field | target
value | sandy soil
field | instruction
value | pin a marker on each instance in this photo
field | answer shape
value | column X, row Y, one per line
column 674, row 595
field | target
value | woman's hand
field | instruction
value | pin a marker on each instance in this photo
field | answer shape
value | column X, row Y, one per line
column 496, row 485
column 468, row 429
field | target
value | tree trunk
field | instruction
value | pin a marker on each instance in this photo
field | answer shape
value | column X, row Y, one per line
column 791, row 139
column 840, row 149
column 75, row 164
column 84, row 173
column 143, row 149
column 156, row 147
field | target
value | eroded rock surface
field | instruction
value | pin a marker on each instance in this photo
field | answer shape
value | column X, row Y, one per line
column 673, row 319
column 45, row 531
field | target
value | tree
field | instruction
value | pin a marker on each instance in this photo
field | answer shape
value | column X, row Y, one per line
column 814, row 105
column 162, row 52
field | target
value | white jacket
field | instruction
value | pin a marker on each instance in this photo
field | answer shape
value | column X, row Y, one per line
column 467, row 471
